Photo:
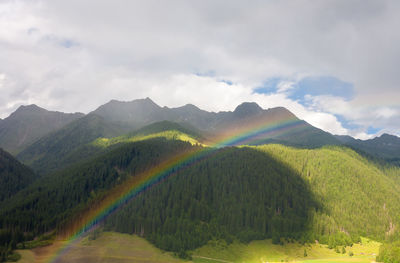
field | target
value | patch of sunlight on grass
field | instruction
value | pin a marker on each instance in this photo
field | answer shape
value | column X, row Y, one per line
column 264, row 251
column 117, row 247
column 170, row 135
column 110, row 247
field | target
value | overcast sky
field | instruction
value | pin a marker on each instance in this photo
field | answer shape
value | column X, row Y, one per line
column 335, row 64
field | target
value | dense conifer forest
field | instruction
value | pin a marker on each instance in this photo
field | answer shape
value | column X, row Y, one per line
column 237, row 193
column 330, row 194
column 389, row 253
column 52, row 199
column 199, row 131
column 14, row 176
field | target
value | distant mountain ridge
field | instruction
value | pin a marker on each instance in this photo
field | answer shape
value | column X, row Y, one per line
column 141, row 112
column 385, row 146
column 138, row 113
column 117, row 118
column 306, row 193
column 29, row 123
column 57, row 146
column 86, row 138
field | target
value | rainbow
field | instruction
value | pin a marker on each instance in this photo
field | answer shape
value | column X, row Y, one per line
column 253, row 132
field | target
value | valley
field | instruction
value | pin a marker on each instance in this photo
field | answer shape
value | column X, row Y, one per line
column 255, row 186
column 199, row 131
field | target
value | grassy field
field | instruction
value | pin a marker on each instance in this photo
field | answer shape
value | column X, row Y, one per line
column 264, row 251
column 27, row 256
column 114, row 247
column 109, row 247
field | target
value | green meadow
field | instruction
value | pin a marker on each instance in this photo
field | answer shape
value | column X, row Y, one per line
column 264, row 251
column 109, row 247
column 115, row 247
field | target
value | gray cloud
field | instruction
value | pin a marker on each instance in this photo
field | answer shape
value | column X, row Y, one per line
column 74, row 55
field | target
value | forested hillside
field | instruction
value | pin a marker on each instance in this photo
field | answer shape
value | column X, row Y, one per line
column 53, row 152
column 359, row 197
column 351, row 198
column 52, row 199
column 165, row 129
column 236, row 193
column 330, row 194
column 14, row 176
column 168, row 126
column 138, row 113
column 386, row 147
column 48, row 141
column 389, row 253
column 92, row 136
column 267, row 198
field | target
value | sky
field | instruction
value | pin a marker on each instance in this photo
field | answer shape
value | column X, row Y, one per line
column 335, row 64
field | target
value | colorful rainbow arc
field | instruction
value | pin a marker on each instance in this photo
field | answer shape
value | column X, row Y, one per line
column 137, row 184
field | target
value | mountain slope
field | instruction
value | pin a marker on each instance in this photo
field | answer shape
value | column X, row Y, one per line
column 53, row 199
column 331, row 194
column 272, row 200
column 359, row 197
column 386, row 146
column 49, row 153
column 135, row 114
column 29, row 123
column 167, row 126
column 91, row 136
column 141, row 112
column 163, row 129
column 248, row 115
column 237, row 193
column 275, row 125
column 354, row 198
column 189, row 113
column 68, row 145
column 14, row 176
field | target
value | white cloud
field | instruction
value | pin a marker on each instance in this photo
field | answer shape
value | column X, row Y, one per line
column 75, row 55
column 219, row 96
column 284, row 86
column 362, row 136
column 386, row 113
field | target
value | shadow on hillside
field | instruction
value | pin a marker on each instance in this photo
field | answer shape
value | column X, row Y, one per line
column 233, row 193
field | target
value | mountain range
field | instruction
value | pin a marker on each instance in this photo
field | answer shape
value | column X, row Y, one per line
column 386, row 146
column 34, row 134
column 238, row 176
column 330, row 194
